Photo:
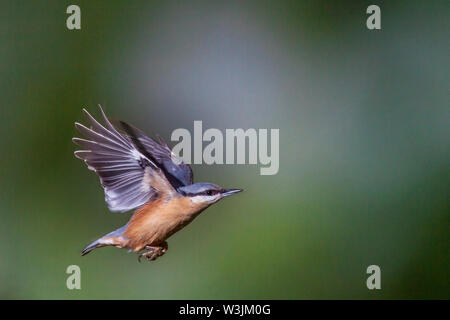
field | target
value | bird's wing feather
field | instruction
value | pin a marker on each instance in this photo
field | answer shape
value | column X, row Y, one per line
column 177, row 172
column 129, row 177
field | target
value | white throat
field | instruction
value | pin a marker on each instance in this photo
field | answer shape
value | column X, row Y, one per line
column 205, row 199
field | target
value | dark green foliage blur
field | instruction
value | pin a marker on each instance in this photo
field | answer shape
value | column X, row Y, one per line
column 364, row 146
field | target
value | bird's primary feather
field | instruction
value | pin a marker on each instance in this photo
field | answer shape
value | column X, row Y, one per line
column 126, row 169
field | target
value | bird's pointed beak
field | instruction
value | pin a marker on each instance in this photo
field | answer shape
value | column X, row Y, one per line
column 229, row 192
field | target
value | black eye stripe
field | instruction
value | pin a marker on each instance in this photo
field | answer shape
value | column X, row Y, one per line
column 203, row 193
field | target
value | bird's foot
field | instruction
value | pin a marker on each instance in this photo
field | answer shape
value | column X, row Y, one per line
column 153, row 252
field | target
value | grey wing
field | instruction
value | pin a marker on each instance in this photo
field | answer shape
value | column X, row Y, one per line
column 177, row 172
column 124, row 172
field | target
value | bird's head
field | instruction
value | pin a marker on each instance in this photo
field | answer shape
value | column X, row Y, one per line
column 204, row 193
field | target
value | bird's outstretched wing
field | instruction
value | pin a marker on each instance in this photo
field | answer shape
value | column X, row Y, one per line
column 177, row 172
column 131, row 176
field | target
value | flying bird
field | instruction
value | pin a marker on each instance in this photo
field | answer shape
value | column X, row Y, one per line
column 142, row 174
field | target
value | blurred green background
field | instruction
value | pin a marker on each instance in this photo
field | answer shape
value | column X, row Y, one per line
column 364, row 146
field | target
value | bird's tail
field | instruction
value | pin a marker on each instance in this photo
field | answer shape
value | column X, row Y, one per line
column 111, row 239
column 92, row 246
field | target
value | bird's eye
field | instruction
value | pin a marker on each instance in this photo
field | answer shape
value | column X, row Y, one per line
column 209, row 192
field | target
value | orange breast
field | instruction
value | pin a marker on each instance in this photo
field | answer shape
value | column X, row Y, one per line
column 158, row 220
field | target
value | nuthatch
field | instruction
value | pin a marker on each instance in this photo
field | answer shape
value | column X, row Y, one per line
column 140, row 173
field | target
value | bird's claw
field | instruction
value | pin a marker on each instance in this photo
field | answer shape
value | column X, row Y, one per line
column 153, row 253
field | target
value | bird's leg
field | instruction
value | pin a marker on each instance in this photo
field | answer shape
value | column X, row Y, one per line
column 154, row 251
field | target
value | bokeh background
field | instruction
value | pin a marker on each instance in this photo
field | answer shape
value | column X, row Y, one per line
column 364, row 146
